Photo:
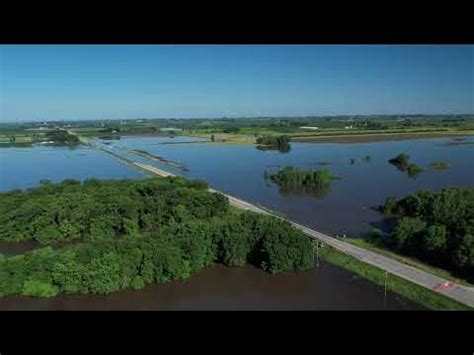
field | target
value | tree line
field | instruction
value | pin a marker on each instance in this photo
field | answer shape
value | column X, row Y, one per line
column 131, row 233
column 435, row 226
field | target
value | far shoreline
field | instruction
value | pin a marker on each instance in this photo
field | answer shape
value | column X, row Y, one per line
column 377, row 137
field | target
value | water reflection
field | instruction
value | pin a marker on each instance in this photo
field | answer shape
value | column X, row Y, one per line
column 319, row 192
column 284, row 149
column 246, row 288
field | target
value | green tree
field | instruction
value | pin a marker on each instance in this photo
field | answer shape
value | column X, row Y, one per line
column 133, row 233
column 449, row 218
column 406, row 235
column 103, row 274
column 435, row 240
column 39, row 289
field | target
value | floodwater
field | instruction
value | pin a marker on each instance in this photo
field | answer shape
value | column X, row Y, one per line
column 347, row 207
column 22, row 168
column 221, row 288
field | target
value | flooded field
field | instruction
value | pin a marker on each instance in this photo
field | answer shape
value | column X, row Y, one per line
column 22, row 168
column 348, row 206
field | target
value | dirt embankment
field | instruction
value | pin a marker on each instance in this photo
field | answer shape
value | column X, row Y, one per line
column 159, row 159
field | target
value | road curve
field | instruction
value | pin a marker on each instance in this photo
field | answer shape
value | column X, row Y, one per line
column 460, row 293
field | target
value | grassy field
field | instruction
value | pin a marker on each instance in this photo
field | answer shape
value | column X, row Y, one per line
column 413, row 292
column 407, row 260
column 371, row 136
column 226, row 138
column 232, row 131
column 19, row 138
column 248, row 136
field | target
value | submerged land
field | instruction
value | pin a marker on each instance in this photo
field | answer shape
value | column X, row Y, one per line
column 437, row 241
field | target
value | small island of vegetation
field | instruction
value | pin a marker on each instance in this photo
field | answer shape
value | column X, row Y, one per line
column 440, row 165
column 401, row 161
column 112, row 235
column 292, row 180
column 367, row 159
column 290, row 176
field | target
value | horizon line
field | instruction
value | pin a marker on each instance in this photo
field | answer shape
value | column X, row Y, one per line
column 237, row 117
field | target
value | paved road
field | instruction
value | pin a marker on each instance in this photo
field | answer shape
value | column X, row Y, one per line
column 457, row 292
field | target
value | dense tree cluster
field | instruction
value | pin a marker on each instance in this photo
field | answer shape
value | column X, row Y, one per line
column 402, row 162
column 70, row 210
column 133, row 233
column 435, row 226
column 62, row 137
column 281, row 143
column 293, row 181
column 292, row 177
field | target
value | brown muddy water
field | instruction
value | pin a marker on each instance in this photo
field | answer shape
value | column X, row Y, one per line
column 222, row 288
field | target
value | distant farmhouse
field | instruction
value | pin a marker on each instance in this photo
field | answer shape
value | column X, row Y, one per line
column 309, row 127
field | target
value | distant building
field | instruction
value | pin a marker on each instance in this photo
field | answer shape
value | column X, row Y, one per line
column 309, row 127
column 348, row 127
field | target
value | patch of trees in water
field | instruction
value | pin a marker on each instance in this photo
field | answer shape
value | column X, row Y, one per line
column 401, row 161
column 441, row 165
column 295, row 181
column 126, row 234
column 365, row 159
column 280, row 143
column 435, row 226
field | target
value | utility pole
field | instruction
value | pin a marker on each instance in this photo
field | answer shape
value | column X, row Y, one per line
column 385, row 288
column 317, row 253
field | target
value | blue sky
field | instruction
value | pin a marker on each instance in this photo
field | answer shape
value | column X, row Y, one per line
column 159, row 81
